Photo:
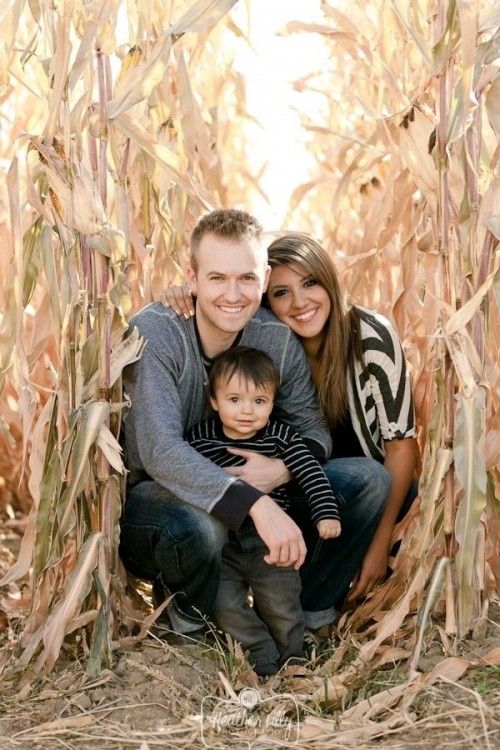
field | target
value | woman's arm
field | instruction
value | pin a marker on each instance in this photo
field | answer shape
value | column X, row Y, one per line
column 390, row 388
column 400, row 460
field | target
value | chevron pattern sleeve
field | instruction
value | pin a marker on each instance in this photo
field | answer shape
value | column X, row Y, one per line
column 381, row 404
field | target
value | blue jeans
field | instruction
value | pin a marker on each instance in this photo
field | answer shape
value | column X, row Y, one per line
column 361, row 486
column 166, row 540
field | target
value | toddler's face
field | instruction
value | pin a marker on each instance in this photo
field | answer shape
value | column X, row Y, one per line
column 243, row 407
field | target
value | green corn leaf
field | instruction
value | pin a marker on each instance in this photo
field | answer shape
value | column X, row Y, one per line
column 76, row 589
column 31, row 258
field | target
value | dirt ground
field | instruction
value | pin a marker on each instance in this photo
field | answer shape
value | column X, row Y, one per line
column 159, row 695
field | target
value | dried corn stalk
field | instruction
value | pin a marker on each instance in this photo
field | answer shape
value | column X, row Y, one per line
column 122, row 154
column 407, row 197
column 112, row 155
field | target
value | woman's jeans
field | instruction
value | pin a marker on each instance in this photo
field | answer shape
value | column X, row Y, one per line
column 164, row 539
column 362, row 487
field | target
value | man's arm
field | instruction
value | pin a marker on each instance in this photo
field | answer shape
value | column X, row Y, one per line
column 281, row 534
column 297, row 403
column 155, row 443
column 260, row 471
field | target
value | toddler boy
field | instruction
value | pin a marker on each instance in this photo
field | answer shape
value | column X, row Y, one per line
column 244, row 384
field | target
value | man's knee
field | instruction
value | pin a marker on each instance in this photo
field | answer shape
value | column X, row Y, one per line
column 174, row 534
column 197, row 539
column 206, row 534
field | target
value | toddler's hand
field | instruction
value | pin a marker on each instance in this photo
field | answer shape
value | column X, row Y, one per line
column 328, row 528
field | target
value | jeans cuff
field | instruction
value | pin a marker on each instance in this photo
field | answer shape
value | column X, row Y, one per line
column 179, row 623
column 315, row 620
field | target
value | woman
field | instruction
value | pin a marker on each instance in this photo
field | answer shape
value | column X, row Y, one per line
column 359, row 369
column 360, row 373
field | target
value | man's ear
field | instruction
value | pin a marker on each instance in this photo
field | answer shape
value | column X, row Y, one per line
column 266, row 278
column 191, row 276
column 213, row 403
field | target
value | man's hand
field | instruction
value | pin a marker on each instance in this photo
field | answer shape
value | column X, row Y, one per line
column 281, row 534
column 373, row 570
column 260, row 471
column 328, row 528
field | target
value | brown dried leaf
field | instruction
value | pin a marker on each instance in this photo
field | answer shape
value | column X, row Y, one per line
column 167, row 158
column 23, row 562
column 492, row 657
column 451, row 668
column 75, row 591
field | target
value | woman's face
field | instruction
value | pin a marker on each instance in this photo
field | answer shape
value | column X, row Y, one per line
column 298, row 300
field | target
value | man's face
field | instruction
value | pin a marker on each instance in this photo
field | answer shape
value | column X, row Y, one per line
column 229, row 281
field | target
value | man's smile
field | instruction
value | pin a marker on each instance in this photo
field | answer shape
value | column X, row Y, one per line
column 231, row 309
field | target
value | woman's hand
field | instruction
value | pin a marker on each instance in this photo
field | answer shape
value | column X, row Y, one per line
column 400, row 460
column 180, row 299
column 373, row 571
column 262, row 472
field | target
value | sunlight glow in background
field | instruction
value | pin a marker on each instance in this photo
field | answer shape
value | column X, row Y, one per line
column 270, row 66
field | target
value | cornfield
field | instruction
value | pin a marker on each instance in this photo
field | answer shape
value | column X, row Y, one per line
column 112, row 149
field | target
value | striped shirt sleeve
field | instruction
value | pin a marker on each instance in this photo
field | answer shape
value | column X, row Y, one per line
column 278, row 440
column 310, row 476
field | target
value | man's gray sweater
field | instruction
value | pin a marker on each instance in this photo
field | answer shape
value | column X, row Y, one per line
column 168, row 388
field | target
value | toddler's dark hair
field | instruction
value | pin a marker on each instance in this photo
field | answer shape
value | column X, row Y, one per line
column 252, row 365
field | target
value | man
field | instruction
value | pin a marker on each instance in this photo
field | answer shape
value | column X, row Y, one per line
column 179, row 504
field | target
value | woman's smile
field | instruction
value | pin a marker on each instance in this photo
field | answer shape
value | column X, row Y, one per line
column 305, row 317
column 300, row 301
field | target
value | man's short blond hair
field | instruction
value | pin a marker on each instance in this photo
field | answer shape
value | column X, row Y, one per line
column 227, row 224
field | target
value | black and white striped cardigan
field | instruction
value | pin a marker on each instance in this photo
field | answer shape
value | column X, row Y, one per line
column 379, row 388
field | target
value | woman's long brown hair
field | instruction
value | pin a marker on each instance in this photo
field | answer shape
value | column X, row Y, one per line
column 341, row 343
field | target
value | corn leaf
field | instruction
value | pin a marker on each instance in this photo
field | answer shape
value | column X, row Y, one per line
column 468, row 452
column 75, row 591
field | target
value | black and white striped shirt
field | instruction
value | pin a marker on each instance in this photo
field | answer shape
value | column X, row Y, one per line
column 379, row 388
column 275, row 440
